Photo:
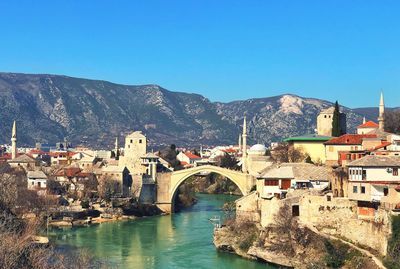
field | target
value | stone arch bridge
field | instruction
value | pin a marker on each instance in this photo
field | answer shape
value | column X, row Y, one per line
column 168, row 183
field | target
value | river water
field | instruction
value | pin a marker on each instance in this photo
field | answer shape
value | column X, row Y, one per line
column 180, row 240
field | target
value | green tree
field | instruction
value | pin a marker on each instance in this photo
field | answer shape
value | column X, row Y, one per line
column 228, row 161
column 336, row 121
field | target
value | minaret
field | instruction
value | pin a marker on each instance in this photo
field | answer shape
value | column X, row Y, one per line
column 364, row 121
column 116, row 149
column 244, row 145
column 14, row 141
column 240, row 142
column 381, row 118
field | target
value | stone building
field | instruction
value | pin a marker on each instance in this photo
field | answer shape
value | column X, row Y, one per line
column 375, row 180
column 135, row 148
column 324, row 122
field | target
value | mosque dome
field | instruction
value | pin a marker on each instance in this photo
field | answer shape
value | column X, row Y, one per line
column 258, row 148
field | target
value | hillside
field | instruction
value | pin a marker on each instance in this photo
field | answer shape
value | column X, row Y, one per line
column 48, row 108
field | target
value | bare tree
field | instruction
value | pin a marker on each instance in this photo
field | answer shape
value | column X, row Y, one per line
column 392, row 121
column 284, row 153
column 108, row 188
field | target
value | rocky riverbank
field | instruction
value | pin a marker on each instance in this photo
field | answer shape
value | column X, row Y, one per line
column 297, row 247
column 121, row 209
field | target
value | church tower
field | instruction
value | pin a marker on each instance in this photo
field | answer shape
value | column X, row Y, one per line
column 14, row 141
column 244, row 145
column 381, row 117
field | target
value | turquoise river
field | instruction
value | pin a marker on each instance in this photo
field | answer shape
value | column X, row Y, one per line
column 180, row 240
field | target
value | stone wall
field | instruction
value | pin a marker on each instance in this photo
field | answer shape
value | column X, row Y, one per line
column 338, row 217
column 163, row 188
column 247, row 208
column 334, row 216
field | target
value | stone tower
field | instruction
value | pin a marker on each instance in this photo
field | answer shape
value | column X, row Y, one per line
column 14, row 141
column 244, row 146
column 135, row 148
column 381, row 117
column 324, row 122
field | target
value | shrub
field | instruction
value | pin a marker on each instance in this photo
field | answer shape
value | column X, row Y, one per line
column 85, row 203
column 393, row 258
column 336, row 255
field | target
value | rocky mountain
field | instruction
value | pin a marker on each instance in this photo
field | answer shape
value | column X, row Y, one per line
column 49, row 108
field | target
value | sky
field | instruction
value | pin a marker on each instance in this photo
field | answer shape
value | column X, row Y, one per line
column 223, row 49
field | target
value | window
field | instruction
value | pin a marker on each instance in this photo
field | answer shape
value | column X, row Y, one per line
column 355, row 189
column 329, row 198
column 396, row 171
column 271, row 183
column 330, row 149
column 364, row 174
column 385, row 191
column 140, row 141
column 131, row 141
column 362, row 189
column 295, row 210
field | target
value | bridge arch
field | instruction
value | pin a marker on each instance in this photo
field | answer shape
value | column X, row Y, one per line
column 167, row 190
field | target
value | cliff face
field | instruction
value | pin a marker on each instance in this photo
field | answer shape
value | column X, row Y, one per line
column 50, row 107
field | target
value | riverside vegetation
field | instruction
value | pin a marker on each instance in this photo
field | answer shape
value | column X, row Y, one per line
column 23, row 216
column 288, row 244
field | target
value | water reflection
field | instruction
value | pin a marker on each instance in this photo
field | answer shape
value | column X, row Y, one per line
column 182, row 240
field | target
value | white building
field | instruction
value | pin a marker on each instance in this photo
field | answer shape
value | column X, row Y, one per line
column 374, row 179
column 37, row 180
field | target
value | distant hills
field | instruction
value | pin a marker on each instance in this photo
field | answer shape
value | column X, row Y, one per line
column 49, row 108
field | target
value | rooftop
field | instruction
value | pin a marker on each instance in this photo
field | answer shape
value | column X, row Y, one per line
column 349, row 139
column 36, row 174
column 377, row 161
column 298, row 171
column 309, row 137
column 368, row 124
column 191, row 155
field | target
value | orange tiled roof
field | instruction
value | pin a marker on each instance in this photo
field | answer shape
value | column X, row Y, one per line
column 368, row 124
column 191, row 155
column 229, row 150
column 349, row 139
column 384, row 144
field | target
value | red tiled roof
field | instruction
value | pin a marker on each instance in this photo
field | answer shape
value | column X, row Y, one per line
column 230, row 150
column 68, row 172
column 349, row 139
column 368, row 124
column 36, row 151
column 384, row 144
column 184, row 163
column 191, row 155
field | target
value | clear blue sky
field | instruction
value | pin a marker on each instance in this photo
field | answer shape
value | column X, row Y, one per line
column 224, row 50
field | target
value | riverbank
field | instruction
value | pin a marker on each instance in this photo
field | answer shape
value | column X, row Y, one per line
column 290, row 246
column 98, row 215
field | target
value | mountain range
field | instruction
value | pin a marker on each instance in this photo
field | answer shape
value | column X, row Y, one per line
column 51, row 108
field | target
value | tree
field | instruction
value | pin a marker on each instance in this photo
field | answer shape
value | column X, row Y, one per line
column 336, row 121
column 285, row 153
column 108, row 188
column 228, row 161
column 308, row 159
column 392, row 121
